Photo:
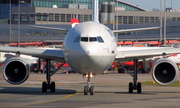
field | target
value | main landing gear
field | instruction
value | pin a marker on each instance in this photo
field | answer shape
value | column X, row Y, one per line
column 48, row 84
column 135, row 85
column 89, row 88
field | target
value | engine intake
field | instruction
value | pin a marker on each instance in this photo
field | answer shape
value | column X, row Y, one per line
column 15, row 70
column 165, row 71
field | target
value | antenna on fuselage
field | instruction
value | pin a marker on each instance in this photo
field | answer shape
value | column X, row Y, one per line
column 95, row 11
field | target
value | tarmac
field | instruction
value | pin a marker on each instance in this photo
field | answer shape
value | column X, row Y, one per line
column 111, row 91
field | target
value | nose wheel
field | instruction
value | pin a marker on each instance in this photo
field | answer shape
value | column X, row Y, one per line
column 89, row 88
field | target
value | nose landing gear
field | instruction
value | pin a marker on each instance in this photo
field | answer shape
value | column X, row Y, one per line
column 89, row 88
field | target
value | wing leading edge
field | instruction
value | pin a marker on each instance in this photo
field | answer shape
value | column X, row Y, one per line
column 51, row 28
column 53, row 53
column 134, row 30
column 74, row 22
column 139, row 53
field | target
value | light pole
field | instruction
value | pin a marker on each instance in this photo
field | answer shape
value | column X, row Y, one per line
column 160, row 20
column 117, row 19
column 73, row 9
column 10, row 21
column 18, row 23
column 77, row 9
column 164, row 22
column 117, row 15
column 113, row 18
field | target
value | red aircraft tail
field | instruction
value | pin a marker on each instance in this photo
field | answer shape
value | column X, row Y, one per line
column 74, row 22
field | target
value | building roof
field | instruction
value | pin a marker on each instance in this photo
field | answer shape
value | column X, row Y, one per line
column 131, row 5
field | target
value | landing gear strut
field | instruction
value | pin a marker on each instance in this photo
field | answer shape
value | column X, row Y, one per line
column 89, row 88
column 48, row 84
column 135, row 85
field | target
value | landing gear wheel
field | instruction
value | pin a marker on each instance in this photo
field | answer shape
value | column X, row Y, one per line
column 130, row 87
column 139, row 87
column 135, row 85
column 85, row 90
column 91, row 90
column 52, row 87
column 44, row 87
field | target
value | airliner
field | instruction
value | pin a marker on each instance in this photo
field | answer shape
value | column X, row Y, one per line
column 90, row 48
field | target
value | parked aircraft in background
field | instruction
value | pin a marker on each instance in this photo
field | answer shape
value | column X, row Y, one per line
column 90, row 48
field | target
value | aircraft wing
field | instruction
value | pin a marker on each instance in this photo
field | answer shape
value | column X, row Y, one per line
column 50, row 53
column 51, row 28
column 134, row 53
column 133, row 30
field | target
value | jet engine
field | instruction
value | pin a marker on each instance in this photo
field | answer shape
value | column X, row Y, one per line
column 165, row 71
column 15, row 70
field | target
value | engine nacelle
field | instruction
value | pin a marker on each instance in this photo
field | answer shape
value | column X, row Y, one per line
column 15, row 70
column 165, row 71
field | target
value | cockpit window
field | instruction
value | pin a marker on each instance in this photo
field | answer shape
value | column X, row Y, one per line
column 84, row 39
column 77, row 39
column 100, row 39
column 92, row 39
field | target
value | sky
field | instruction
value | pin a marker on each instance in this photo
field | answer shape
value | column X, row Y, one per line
column 150, row 4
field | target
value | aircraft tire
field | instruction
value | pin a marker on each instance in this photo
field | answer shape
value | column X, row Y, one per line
column 130, row 87
column 85, row 90
column 52, row 86
column 91, row 90
column 139, row 87
column 44, row 87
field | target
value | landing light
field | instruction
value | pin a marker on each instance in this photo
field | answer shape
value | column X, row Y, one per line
column 89, row 75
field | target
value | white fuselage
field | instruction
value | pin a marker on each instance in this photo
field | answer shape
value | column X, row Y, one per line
column 90, row 48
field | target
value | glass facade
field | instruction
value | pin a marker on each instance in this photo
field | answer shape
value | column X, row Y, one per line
column 54, row 17
column 64, row 3
column 4, row 9
column 29, row 32
column 60, row 3
column 142, row 19
column 170, row 31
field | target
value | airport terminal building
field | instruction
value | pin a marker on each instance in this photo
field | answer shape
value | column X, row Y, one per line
column 58, row 13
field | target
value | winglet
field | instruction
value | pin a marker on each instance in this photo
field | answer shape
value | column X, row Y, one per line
column 74, row 22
